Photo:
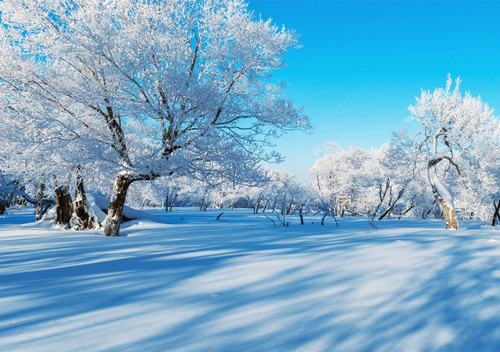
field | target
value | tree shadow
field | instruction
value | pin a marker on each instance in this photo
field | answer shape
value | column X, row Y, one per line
column 243, row 285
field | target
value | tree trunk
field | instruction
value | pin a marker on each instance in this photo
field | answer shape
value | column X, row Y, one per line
column 203, row 200
column 450, row 217
column 323, row 219
column 166, row 202
column 257, row 206
column 64, row 207
column 3, row 206
column 39, row 201
column 407, row 210
column 341, row 207
column 81, row 218
column 496, row 213
column 115, row 210
column 442, row 196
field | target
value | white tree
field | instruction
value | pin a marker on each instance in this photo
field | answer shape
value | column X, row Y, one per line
column 149, row 88
column 9, row 189
column 453, row 129
column 42, row 148
column 361, row 182
column 282, row 194
column 407, row 166
column 341, row 177
column 481, row 192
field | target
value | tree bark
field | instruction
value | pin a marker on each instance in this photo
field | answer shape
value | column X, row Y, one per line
column 82, row 219
column 341, row 207
column 39, row 201
column 407, row 210
column 442, row 196
column 450, row 216
column 64, row 207
column 496, row 213
column 257, row 206
column 166, row 201
column 323, row 219
column 203, row 200
column 115, row 210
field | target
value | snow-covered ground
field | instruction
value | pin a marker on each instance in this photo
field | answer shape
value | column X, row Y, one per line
column 194, row 283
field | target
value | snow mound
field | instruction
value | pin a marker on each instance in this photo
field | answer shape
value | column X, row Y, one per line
column 50, row 215
column 94, row 209
column 102, row 203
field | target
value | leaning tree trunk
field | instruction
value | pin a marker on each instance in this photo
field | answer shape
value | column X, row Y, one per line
column 64, row 207
column 115, row 210
column 443, row 197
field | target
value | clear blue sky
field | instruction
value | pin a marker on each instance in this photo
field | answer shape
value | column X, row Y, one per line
column 363, row 62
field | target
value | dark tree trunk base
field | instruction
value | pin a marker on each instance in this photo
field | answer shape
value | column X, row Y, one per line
column 64, row 207
column 496, row 214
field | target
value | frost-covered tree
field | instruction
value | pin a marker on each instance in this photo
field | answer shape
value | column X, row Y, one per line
column 43, row 152
column 281, row 194
column 339, row 178
column 9, row 189
column 455, row 132
column 392, row 171
column 377, row 183
column 407, row 166
column 480, row 194
column 148, row 88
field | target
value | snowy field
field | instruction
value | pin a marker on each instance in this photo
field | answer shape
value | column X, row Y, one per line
column 194, row 283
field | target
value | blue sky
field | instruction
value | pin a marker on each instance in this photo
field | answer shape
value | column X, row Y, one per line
column 363, row 62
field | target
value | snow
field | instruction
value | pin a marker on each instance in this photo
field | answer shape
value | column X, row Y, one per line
column 441, row 190
column 94, row 209
column 97, row 202
column 189, row 282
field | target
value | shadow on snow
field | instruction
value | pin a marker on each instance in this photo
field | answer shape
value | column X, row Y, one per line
column 239, row 284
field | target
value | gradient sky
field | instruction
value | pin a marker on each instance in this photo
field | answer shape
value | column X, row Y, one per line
column 363, row 62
